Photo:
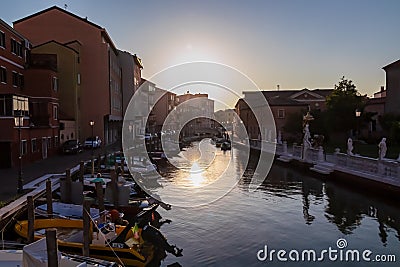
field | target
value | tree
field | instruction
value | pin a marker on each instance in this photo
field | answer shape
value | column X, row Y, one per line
column 294, row 126
column 342, row 104
column 391, row 125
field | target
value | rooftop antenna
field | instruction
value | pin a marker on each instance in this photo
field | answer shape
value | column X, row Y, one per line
column 65, row 6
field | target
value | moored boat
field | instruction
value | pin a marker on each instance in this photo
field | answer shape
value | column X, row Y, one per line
column 122, row 244
column 35, row 254
column 226, row 146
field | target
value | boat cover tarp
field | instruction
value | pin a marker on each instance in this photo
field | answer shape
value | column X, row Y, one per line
column 35, row 254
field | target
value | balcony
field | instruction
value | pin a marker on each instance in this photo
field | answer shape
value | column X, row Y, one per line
column 40, row 120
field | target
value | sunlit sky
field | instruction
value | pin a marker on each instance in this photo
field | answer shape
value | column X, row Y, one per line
column 296, row 44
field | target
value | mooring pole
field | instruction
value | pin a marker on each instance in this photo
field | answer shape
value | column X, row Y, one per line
column 68, row 186
column 51, row 243
column 86, row 228
column 31, row 219
column 49, row 199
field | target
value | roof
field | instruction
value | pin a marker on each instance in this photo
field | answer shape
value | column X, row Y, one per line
column 58, row 43
column 283, row 101
column 375, row 101
column 143, row 80
column 103, row 30
column 138, row 61
column 287, row 97
column 59, row 9
column 393, row 64
column 11, row 29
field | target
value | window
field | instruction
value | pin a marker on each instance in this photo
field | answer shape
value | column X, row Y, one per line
column 16, row 48
column 55, row 84
column 55, row 112
column 20, row 104
column 34, row 145
column 18, row 79
column 281, row 113
column 3, row 75
column 15, row 79
column 13, row 46
column 21, row 81
column 6, row 106
column 24, row 147
column 2, row 39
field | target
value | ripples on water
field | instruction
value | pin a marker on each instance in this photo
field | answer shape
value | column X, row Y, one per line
column 288, row 211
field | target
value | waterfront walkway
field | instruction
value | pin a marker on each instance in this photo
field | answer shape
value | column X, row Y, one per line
column 54, row 164
column 371, row 172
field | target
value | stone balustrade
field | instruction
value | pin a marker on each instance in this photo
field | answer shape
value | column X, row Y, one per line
column 297, row 151
column 387, row 171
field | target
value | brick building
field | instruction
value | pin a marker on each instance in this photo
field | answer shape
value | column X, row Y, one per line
column 282, row 103
column 28, row 101
column 392, row 87
column 100, row 97
column 199, row 107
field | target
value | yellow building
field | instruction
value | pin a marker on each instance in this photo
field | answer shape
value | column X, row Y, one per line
column 69, row 85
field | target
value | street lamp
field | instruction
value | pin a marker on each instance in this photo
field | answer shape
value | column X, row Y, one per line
column 91, row 123
column 19, row 121
column 358, row 114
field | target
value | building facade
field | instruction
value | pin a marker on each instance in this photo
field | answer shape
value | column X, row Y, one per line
column 282, row 103
column 392, row 87
column 100, row 97
column 201, row 109
column 68, row 86
column 131, row 66
column 28, row 101
column 165, row 103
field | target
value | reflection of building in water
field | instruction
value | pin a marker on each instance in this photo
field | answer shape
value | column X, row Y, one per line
column 344, row 212
column 346, row 209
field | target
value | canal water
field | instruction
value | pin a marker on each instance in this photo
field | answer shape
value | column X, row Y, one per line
column 289, row 211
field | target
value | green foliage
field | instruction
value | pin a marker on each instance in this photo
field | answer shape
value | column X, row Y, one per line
column 391, row 124
column 294, row 123
column 341, row 106
column 320, row 123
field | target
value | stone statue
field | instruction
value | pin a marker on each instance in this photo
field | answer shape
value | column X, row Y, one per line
column 279, row 141
column 306, row 138
column 382, row 148
column 350, row 147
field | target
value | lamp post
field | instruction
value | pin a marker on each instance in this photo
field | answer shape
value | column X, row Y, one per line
column 358, row 114
column 19, row 120
column 91, row 123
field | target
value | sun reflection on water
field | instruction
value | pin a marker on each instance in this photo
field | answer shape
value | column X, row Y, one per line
column 196, row 175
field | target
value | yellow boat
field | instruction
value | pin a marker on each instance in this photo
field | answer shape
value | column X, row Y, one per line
column 113, row 243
